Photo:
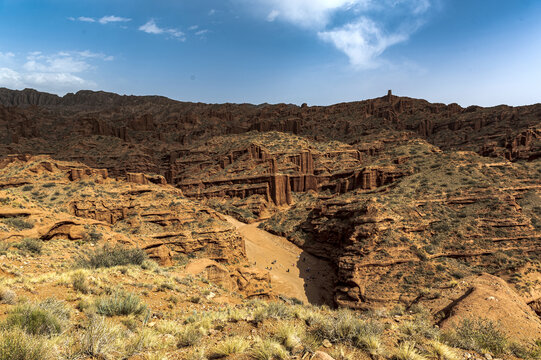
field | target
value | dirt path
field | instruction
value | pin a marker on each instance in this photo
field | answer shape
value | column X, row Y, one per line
column 294, row 273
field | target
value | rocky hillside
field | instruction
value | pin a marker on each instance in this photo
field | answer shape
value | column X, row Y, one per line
column 411, row 204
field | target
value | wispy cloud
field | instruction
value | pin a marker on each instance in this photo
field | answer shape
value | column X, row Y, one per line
column 273, row 15
column 103, row 20
column 6, row 55
column 112, row 19
column 202, row 32
column 150, row 27
column 93, row 55
column 359, row 28
column 362, row 41
column 84, row 19
column 58, row 72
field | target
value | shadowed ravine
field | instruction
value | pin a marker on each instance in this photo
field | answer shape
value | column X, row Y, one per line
column 294, row 273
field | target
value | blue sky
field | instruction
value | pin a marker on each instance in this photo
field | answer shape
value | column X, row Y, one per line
column 484, row 52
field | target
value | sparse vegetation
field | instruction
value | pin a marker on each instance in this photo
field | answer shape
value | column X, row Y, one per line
column 46, row 318
column 18, row 223
column 7, row 296
column 407, row 351
column 190, row 335
column 481, row 335
column 99, row 338
column 108, row 256
column 268, row 350
column 120, row 303
column 80, row 283
column 230, row 346
column 31, row 245
column 15, row 344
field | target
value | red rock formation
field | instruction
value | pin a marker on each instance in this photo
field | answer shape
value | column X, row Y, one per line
column 145, row 179
column 280, row 190
column 85, row 173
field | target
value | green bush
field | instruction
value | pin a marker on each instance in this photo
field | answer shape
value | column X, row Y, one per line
column 15, row 344
column 109, row 256
column 120, row 303
column 481, row 335
column 45, row 318
column 31, row 245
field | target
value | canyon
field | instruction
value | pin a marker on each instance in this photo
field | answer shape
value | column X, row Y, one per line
column 398, row 201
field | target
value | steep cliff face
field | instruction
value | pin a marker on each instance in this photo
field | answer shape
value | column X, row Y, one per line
column 450, row 216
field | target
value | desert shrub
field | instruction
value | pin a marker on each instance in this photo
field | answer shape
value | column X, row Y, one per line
column 440, row 351
column 343, row 353
column 230, row 346
column 79, row 283
column 49, row 185
column 4, row 248
column 398, row 309
column 120, row 303
column 27, row 188
column 418, row 329
column 7, row 296
column 19, row 224
column 15, row 344
column 46, row 318
column 288, row 335
column 273, row 310
column 407, row 351
column 34, row 246
column 190, row 335
column 346, row 327
column 481, row 335
column 181, row 259
column 371, row 343
column 109, row 256
column 94, row 235
column 99, row 338
column 268, row 350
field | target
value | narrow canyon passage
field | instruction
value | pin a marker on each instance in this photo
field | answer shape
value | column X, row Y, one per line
column 294, row 273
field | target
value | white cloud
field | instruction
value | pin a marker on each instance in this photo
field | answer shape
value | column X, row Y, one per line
column 111, row 19
column 202, row 32
column 58, row 72
column 273, row 15
column 86, row 19
column 362, row 41
column 10, row 78
column 103, row 20
column 212, row 12
column 92, row 55
column 192, row 28
column 309, row 13
column 6, row 56
column 63, row 62
column 352, row 26
column 152, row 28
